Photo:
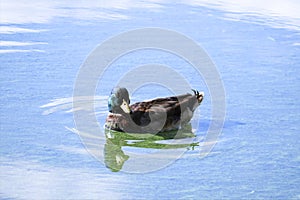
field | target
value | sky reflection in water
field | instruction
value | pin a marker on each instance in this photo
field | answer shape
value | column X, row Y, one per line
column 258, row 157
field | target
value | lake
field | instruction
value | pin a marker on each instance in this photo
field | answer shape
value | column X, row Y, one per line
column 49, row 151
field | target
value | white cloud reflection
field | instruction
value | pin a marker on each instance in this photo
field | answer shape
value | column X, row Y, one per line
column 20, row 50
column 12, row 44
column 14, row 29
column 21, row 12
column 32, row 180
column 15, row 43
column 276, row 13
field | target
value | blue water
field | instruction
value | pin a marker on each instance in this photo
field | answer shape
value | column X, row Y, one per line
column 257, row 155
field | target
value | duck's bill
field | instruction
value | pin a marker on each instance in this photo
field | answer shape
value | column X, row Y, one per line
column 125, row 107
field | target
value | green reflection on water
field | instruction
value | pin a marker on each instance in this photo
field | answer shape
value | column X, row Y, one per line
column 115, row 157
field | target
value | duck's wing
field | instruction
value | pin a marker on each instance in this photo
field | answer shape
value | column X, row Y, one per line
column 172, row 109
column 163, row 102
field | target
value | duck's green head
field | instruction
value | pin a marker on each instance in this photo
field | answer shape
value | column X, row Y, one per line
column 118, row 102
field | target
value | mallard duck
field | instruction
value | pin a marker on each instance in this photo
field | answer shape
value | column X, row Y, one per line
column 152, row 116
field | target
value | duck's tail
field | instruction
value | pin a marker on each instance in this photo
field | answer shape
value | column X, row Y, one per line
column 199, row 95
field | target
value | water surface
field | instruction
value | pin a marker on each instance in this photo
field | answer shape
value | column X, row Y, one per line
column 255, row 47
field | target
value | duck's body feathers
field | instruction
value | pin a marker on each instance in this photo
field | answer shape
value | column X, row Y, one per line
column 172, row 106
column 157, row 115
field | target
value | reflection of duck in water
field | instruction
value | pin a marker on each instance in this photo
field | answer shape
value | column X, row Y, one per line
column 157, row 115
column 115, row 157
